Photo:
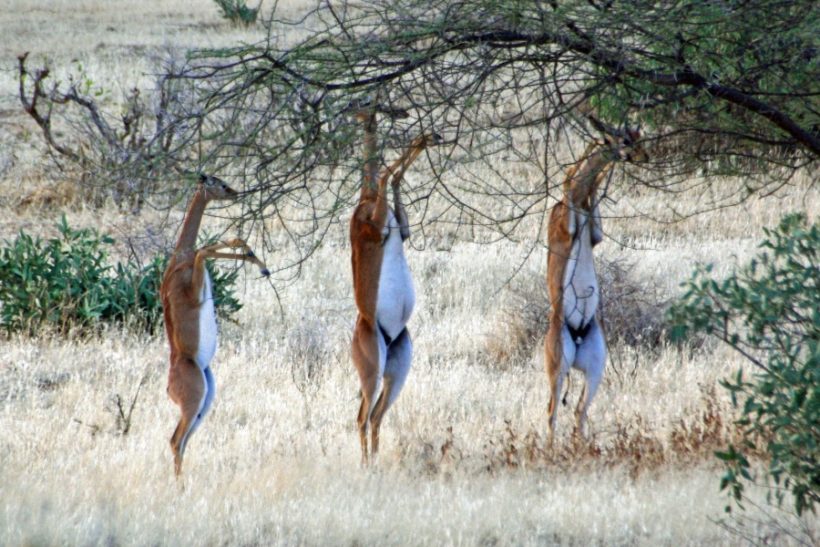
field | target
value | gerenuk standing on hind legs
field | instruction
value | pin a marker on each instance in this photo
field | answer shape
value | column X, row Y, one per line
column 575, row 339
column 382, row 284
column 190, row 318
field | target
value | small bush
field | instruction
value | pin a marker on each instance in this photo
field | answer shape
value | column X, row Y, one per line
column 631, row 312
column 67, row 283
column 521, row 322
column 769, row 312
column 125, row 156
column 237, row 11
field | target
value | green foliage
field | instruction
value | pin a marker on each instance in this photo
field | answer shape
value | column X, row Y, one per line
column 67, row 283
column 770, row 312
column 237, row 11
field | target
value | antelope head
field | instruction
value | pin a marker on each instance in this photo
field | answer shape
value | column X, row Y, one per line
column 214, row 188
column 627, row 145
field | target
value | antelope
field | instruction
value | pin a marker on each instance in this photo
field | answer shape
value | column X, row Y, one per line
column 382, row 284
column 190, row 320
column 575, row 339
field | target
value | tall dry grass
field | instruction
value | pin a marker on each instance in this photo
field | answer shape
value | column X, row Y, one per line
column 463, row 459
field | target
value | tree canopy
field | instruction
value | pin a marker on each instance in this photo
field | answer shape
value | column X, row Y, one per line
column 724, row 88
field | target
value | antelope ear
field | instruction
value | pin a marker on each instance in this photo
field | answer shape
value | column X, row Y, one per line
column 203, row 178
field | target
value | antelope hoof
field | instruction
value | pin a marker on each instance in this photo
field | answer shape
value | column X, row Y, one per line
column 265, row 272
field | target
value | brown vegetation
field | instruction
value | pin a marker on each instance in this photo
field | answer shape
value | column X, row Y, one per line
column 464, row 457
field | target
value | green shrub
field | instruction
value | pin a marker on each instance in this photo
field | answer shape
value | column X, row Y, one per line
column 67, row 283
column 769, row 311
column 237, row 11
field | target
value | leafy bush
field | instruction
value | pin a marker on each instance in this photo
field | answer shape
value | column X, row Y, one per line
column 770, row 312
column 237, row 11
column 67, row 283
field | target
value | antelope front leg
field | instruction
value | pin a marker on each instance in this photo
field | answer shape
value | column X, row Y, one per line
column 597, row 231
column 401, row 214
column 235, row 243
column 212, row 251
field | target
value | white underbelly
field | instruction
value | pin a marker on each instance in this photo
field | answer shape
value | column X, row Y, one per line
column 207, row 325
column 581, row 291
column 397, row 296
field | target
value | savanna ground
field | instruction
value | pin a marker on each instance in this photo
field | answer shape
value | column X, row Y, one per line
column 463, row 456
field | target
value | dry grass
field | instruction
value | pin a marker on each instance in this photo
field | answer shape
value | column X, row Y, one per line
column 464, row 459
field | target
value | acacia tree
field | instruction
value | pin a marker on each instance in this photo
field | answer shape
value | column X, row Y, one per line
column 722, row 88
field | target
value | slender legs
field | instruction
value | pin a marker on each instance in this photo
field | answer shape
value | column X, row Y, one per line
column 369, row 352
column 399, row 357
column 193, row 389
column 561, row 354
column 591, row 359
column 213, row 251
column 382, row 371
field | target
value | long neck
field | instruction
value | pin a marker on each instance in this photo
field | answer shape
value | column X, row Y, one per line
column 371, row 161
column 585, row 179
column 190, row 227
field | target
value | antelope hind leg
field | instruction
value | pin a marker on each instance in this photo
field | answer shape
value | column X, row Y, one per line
column 397, row 366
column 591, row 359
column 368, row 357
column 188, row 389
column 559, row 353
column 207, row 400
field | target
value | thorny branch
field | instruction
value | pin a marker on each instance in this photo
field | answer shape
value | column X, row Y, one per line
column 127, row 159
column 723, row 91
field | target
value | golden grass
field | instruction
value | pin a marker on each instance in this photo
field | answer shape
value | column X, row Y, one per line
column 463, row 456
column 275, row 464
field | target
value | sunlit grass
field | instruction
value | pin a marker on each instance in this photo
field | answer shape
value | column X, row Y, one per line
column 464, row 459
